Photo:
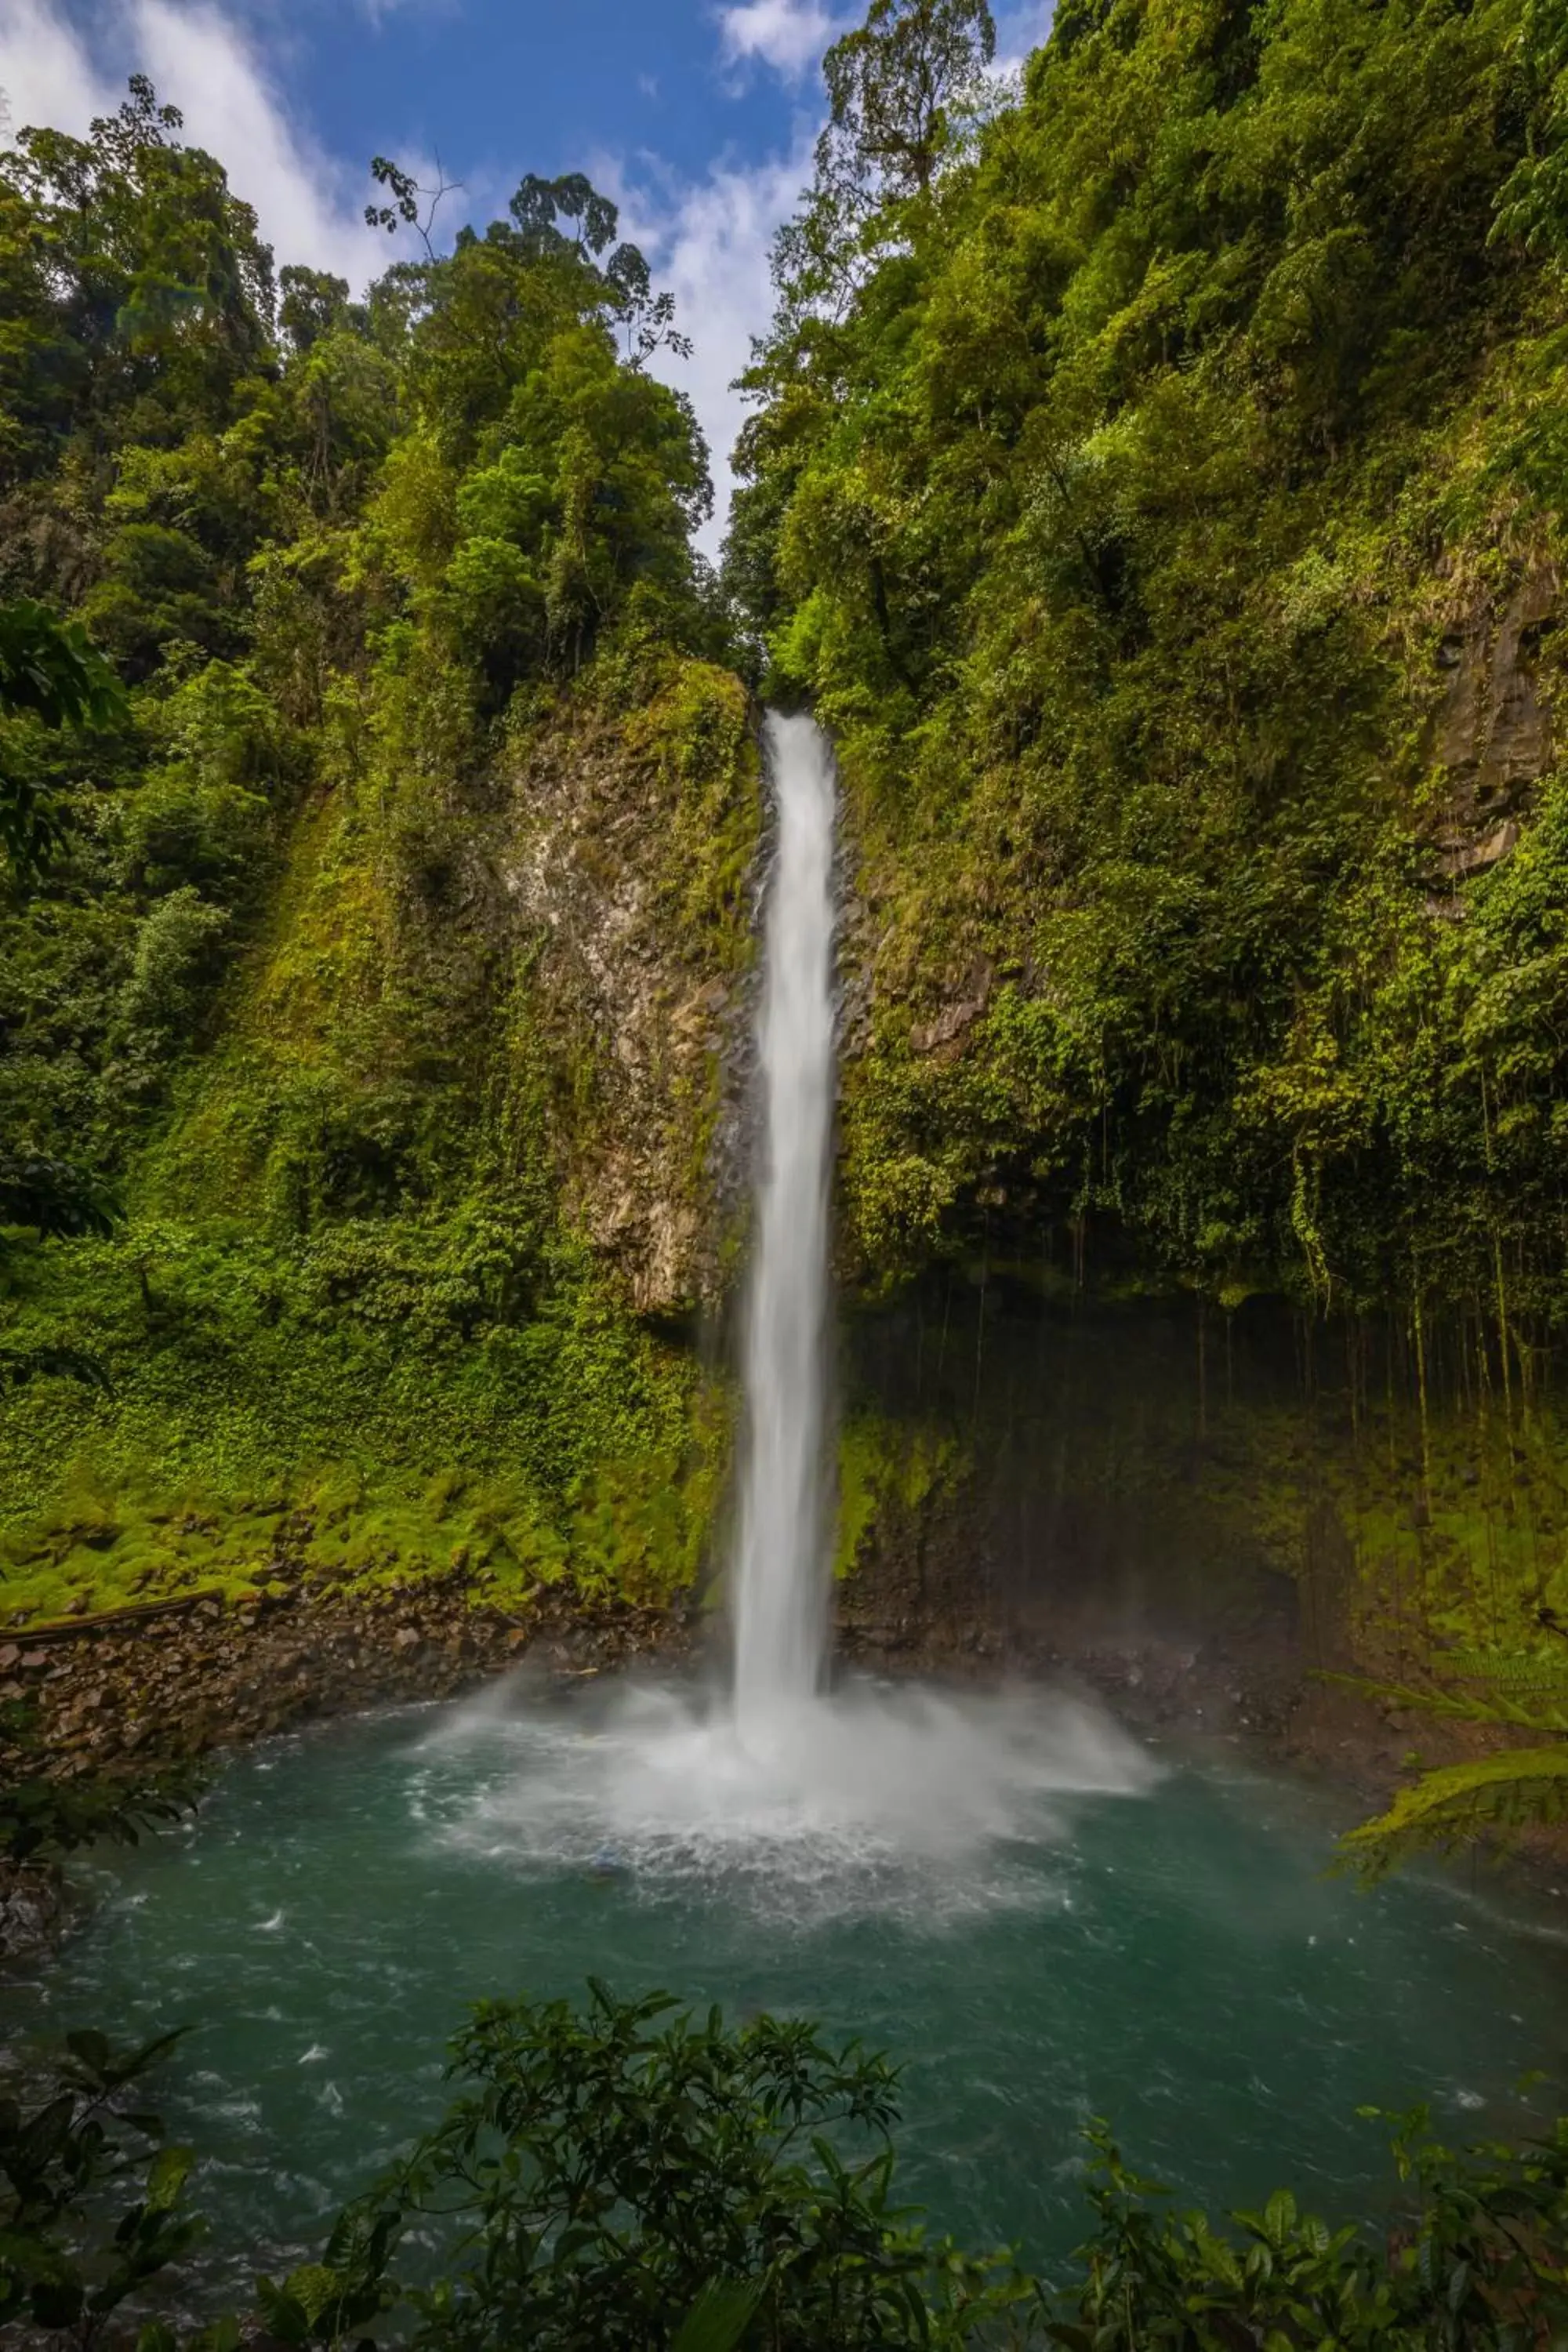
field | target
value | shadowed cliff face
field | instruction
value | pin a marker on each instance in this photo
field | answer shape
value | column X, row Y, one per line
column 1492, row 734
column 1208, row 1509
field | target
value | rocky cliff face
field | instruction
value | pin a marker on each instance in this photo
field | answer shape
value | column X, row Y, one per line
column 630, row 868
column 1493, row 733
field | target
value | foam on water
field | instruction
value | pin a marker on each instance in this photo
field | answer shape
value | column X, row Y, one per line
column 809, row 1801
column 868, row 1798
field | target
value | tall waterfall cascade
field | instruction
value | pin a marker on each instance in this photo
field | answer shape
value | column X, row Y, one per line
column 767, row 1786
column 778, row 1592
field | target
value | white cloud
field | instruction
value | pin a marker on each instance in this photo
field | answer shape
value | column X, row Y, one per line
column 46, row 75
column 200, row 61
column 788, row 34
column 708, row 242
column 310, row 207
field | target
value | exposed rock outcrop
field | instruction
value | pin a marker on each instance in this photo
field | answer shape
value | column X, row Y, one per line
column 1492, row 732
column 632, row 863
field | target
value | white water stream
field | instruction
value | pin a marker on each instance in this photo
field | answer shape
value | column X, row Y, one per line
column 812, row 1801
column 777, row 1598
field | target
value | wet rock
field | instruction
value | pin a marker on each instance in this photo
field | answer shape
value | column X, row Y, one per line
column 947, row 1026
column 1491, row 733
column 174, row 1687
column 32, row 1907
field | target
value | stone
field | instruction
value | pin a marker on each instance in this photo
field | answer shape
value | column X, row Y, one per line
column 32, row 1906
column 948, row 1025
column 1476, row 857
column 1492, row 731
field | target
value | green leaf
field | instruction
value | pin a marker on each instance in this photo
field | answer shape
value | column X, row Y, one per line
column 719, row 2316
column 171, row 2169
column 1501, row 1794
column 1279, row 2215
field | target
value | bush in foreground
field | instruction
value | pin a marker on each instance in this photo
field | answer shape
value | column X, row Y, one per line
column 626, row 2176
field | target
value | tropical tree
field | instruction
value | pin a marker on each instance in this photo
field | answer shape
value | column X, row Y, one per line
column 51, row 675
column 891, row 84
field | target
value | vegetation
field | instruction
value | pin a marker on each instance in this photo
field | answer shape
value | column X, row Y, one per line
column 43, row 1817
column 1156, row 482
column 281, row 1085
column 621, row 2175
column 1497, row 1798
column 70, row 2254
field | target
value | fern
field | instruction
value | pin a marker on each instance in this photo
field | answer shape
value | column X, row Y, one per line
column 1497, row 1797
column 1457, row 1706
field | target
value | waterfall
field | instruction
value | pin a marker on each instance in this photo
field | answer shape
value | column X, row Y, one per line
column 773, row 1791
column 778, row 1583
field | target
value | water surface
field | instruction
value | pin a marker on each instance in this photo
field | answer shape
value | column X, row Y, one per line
column 1087, row 1930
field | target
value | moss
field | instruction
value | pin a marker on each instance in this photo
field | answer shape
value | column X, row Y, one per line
column 365, row 1438
column 889, row 1472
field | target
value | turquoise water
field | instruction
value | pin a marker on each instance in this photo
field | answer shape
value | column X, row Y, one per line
column 1078, row 1928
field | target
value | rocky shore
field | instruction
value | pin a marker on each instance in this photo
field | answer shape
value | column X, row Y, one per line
column 173, row 1682
column 137, row 1690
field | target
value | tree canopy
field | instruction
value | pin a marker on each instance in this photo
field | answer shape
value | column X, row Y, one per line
column 1137, row 484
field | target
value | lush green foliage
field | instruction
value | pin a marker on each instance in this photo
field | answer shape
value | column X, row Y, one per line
column 49, row 673
column 1476, row 2261
column 363, row 566
column 1496, row 1799
column 616, row 2177
column 71, row 2252
column 1145, row 504
column 620, row 2176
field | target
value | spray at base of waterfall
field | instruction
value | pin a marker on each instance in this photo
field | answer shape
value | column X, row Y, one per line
column 870, row 1799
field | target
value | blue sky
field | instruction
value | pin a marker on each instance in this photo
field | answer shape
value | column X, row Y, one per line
column 697, row 115
column 503, row 85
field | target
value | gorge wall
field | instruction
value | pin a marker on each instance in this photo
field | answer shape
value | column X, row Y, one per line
column 1155, row 483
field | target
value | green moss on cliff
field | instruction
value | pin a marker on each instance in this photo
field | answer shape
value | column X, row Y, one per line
column 1164, row 508
column 360, row 970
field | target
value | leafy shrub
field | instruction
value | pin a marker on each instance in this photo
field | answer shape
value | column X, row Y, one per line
column 71, row 2254
column 618, row 2178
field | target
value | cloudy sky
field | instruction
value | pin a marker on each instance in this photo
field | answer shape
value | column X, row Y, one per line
column 697, row 115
